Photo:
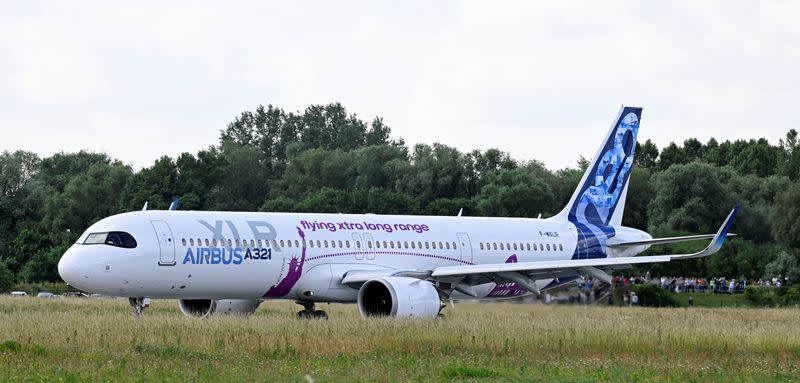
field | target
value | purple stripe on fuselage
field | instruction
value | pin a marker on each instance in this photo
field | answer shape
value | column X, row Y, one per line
column 353, row 253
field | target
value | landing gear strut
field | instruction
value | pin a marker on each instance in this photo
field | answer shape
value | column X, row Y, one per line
column 309, row 312
column 139, row 304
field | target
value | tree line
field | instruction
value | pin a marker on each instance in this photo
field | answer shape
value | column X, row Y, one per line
column 325, row 159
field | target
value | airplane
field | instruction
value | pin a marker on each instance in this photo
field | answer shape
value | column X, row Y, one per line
column 389, row 265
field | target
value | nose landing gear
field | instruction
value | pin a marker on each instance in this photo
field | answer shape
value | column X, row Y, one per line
column 309, row 312
column 139, row 304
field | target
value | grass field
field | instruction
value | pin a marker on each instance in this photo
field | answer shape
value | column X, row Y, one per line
column 99, row 340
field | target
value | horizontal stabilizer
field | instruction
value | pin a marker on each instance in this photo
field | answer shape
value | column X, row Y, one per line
column 661, row 241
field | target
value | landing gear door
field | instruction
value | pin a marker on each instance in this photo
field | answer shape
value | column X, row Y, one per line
column 465, row 246
column 166, row 244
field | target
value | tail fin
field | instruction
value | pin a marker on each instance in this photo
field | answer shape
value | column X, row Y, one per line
column 599, row 199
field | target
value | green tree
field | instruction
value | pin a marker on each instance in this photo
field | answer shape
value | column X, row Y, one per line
column 785, row 217
column 516, row 193
column 790, row 158
column 156, row 185
column 786, row 264
column 87, row 198
column 43, row 266
column 688, row 197
column 243, row 179
column 640, row 194
column 25, row 245
column 379, row 133
column 646, row 154
column 6, row 278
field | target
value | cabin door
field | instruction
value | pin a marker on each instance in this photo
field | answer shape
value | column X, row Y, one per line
column 166, row 244
column 465, row 246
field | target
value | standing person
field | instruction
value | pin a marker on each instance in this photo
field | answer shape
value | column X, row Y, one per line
column 634, row 299
column 731, row 285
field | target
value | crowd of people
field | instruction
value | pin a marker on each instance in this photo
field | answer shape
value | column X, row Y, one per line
column 589, row 290
column 718, row 285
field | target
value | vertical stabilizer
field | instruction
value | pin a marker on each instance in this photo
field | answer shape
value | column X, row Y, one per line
column 600, row 197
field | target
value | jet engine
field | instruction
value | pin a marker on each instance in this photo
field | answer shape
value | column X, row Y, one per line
column 399, row 297
column 201, row 308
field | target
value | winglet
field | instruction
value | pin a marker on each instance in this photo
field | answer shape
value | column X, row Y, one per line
column 718, row 240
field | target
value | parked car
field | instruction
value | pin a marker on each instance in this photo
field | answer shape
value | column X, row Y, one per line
column 44, row 294
column 19, row 294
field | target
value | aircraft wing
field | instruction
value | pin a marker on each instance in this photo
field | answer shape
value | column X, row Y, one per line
column 524, row 273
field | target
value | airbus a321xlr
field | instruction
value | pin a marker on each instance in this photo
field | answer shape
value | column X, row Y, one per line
column 389, row 265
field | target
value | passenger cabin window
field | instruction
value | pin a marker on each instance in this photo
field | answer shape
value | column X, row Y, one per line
column 112, row 238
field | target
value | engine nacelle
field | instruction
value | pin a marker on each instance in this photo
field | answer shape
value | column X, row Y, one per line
column 201, row 308
column 399, row 297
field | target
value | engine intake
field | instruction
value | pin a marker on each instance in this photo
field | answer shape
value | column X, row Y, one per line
column 399, row 297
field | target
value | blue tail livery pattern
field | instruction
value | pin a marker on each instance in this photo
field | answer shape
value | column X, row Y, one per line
column 601, row 191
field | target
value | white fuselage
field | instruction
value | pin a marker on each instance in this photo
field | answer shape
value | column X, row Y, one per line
column 239, row 255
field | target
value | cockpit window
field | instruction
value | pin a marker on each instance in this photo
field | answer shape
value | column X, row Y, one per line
column 113, row 238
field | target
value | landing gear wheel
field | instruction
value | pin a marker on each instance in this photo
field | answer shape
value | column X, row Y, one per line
column 319, row 314
column 309, row 312
column 138, row 305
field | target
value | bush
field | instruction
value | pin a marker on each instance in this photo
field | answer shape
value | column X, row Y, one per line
column 654, row 296
column 791, row 295
column 761, row 296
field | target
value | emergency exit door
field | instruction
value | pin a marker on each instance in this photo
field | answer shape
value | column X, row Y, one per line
column 465, row 246
column 166, row 244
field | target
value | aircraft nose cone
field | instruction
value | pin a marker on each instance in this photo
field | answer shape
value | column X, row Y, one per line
column 68, row 268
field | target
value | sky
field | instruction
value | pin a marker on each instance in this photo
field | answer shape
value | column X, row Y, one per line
column 540, row 80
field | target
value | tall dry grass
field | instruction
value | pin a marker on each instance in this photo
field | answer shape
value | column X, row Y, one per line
column 99, row 339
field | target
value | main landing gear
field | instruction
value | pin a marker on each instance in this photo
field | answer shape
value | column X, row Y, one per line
column 309, row 312
column 139, row 304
